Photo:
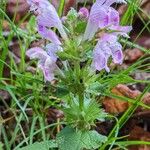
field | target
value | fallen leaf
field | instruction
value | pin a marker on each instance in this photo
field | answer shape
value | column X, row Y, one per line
column 132, row 55
column 116, row 106
column 139, row 134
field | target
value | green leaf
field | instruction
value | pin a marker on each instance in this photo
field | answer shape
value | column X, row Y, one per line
column 92, row 140
column 72, row 14
column 80, row 27
column 85, row 118
column 1, row 146
column 46, row 145
column 96, row 88
column 70, row 139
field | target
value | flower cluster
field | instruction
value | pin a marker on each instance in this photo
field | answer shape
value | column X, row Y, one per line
column 102, row 17
column 47, row 18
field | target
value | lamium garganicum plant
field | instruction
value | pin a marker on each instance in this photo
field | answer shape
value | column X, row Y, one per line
column 79, row 46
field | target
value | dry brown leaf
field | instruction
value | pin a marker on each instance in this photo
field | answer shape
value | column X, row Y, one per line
column 146, row 8
column 131, row 55
column 116, row 106
column 139, row 133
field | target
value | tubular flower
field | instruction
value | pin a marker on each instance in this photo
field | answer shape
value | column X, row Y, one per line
column 107, row 46
column 46, row 59
column 101, row 16
column 106, row 18
column 47, row 18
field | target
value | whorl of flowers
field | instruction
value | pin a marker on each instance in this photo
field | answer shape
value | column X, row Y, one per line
column 102, row 17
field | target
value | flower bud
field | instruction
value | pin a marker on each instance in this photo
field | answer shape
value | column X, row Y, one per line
column 84, row 13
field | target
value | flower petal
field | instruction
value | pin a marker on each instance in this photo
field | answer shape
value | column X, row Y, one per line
column 47, row 15
column 97, row 19
column 117, row 57
column 101, row 54
column 113, row 17
column 100, row 62
column 48, row 34
column 90, row 31
column 48, row 69
column 121, row 30
column 117, row 54
column 36, row 53
column 109, row 38
column 100, row 2
column 52, row 49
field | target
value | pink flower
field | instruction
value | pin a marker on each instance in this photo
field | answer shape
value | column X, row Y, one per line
column 106, row 18
column 107, row 47
column 101, row 16
column 46, row 59
column 48, row 34
column 47, row 18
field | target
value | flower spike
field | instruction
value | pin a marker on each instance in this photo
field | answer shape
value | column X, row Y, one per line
column 101, row 16
column 47, row 18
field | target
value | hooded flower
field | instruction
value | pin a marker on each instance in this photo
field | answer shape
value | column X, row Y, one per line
column 107, row 46
column 46, row 59
column 47, row 18
column 106, row 18
column 101, row 16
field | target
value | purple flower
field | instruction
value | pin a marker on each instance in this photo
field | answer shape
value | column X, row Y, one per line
column 36, row 6
column 101, row 16
column 48, row 34
column 84, row 13
column 100, row 60
column 120, row 30
column 46, row 59
column 107, row 46
column 98, row 16
column 47, row 18
column 106, row 18
column 113, row 17
column 52, row 50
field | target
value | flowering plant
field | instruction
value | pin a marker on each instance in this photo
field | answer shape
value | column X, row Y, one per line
column 85, row 46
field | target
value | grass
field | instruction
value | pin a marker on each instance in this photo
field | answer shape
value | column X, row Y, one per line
column 28, row 93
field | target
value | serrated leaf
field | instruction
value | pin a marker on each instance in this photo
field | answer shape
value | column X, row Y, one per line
column 72, row 14
column 96, row 88
column 92, row 140
column 46, row 145
column 70, row 139
column 80, row 27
